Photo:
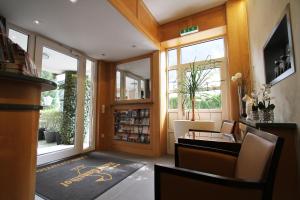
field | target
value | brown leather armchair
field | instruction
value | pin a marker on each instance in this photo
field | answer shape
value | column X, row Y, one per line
column 226, row 127
column 208, row 173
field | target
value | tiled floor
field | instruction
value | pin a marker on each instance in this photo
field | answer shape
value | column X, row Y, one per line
column 139, row 185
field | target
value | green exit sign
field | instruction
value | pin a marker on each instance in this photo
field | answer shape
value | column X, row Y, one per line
column 189, row 30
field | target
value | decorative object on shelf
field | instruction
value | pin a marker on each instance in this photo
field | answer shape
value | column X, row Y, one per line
column 241, row 87
column 254, row 111
column 249, row 104
column 132, row 125
column 13, row 58
column 265, row 107
column 279, row 51
column 195, row 82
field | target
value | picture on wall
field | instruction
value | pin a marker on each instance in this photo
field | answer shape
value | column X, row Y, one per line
column 279, row 52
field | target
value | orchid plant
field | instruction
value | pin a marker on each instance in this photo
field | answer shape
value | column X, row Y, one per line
column 265, row 103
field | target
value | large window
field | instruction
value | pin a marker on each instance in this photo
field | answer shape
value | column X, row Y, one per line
column 179, row 60
column 19, row 38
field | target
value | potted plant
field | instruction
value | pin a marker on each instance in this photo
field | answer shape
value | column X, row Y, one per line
column 52, row 119
column 265, row 106
column 195, row 81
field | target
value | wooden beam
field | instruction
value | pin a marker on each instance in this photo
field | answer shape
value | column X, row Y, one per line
column 136, row 12
column 238, row 49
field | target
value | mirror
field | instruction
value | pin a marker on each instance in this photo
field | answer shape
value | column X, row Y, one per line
column 133, row 80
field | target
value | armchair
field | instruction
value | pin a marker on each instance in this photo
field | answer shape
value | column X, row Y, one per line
column 209, row 173
column 226, row 127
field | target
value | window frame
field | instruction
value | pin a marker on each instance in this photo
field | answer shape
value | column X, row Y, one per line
column 181, row 68
column 31, row 38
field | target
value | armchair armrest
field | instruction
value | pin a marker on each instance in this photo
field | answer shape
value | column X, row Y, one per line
column 178, row 183
column 205, row 159
column 235, row 147
column 208, row 131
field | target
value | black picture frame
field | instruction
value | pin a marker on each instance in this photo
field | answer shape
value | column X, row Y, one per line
column 278, row 51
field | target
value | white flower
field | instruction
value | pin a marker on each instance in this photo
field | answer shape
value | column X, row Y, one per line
column 233, row 78
column 254, row 94
column 238, row 75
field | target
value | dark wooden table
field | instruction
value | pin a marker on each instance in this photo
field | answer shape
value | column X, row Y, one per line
column 210, row 139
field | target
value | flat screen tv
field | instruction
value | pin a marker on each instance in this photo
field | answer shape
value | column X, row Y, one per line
column 279, row 52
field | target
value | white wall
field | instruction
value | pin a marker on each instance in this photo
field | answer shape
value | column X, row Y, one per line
column 263, row 16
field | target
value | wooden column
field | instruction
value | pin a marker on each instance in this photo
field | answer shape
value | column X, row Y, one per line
column 19, row 115
column 238, row 49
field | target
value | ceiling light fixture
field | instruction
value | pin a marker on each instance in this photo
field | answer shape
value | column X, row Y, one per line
column 73, row 1
column 103, row 54
column 36, row 21
column 133, row 46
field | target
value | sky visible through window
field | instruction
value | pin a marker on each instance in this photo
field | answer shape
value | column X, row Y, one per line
column 172, row 57
column 19, row 38
column 199, row 52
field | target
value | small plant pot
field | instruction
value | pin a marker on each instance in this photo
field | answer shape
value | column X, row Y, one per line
column 41, row 135
column 50, row 137
column 58, row 139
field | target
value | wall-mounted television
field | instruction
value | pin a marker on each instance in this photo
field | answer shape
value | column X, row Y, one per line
column 279, row 51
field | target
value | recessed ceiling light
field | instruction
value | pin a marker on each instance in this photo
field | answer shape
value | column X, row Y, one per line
column 36, row 21
column 73, row 1
column 133, row 46
column 103, row 54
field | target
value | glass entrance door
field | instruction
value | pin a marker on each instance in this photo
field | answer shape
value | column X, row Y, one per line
column 57, row 126
column 65, row 128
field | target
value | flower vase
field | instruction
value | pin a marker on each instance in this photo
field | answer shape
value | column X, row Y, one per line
column 267, row 115
column 242, row 105
column 255, row 115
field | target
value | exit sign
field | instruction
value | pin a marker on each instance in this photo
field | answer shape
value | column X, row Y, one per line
column 189, row 30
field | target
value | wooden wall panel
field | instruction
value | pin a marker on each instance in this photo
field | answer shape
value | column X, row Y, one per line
column 238, row 48
column 105, row 96
column 205, row 20
column 104, row 92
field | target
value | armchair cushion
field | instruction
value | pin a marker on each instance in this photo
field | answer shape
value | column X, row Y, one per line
column 254, row 157
column 206, row 160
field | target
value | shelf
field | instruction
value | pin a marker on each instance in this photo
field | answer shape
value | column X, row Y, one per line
column 46, row 85
column 129, row 125
column 258, row 124
column 132, row 124
column 132, row 102
column 23, row 107
column 126, row 141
